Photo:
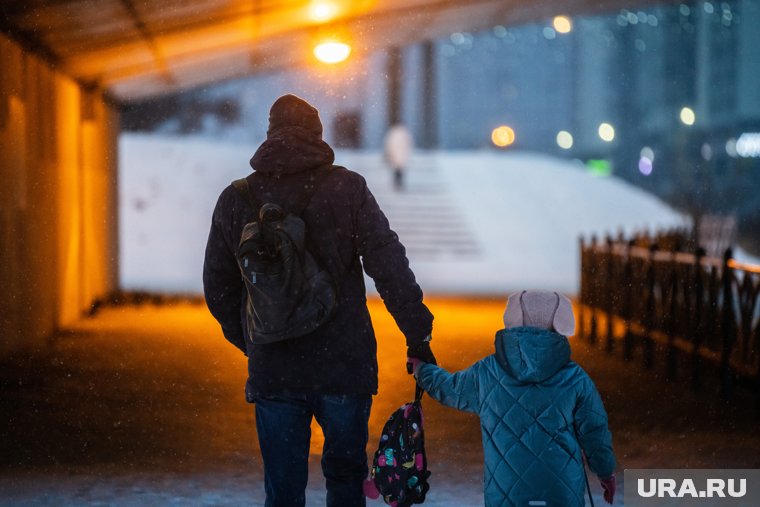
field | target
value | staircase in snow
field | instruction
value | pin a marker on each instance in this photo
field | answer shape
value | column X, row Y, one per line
column 423, row 213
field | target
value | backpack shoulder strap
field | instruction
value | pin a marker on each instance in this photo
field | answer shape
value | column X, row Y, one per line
column 244, row 190
column 316, row 178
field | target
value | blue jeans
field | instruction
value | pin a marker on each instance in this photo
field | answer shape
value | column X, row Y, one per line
column 284, row 429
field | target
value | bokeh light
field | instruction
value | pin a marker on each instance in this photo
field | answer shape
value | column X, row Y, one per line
column 503, row 136
column 606, row 132
column 564, row 139
column 645, row 166
column 322, row 11
column 731, row 148
column 687, row 116
column 748, row 145
column 562, row 24
column 646, row 161
column 332, row 52
column 706, row 151
column 599, row 167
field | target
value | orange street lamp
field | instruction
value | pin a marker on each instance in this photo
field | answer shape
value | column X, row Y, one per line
column 322, row 10
column 332, row 51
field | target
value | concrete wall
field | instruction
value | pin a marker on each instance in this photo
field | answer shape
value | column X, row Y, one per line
column 58, row 237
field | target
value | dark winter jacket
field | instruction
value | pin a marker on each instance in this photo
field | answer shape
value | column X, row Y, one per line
column 345, row 230
column 537, row 411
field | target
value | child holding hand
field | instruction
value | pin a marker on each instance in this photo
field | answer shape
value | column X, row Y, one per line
column 538, row 409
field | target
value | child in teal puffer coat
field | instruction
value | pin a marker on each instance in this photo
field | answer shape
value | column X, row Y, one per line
column 538, row 409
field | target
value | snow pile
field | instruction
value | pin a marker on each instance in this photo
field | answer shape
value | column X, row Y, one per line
column 524, row 212
column 529, row 211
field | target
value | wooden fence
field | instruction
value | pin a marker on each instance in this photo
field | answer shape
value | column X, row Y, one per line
column 669, row 305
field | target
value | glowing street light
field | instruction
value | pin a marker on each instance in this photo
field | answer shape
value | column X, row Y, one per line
column 606, row 132
column 503, row 136
column 562, row 24
column 322, row 11
column 332, row 52
column 564, row 139
column 687, row 116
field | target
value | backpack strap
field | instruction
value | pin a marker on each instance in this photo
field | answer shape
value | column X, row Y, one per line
column 244, row 190
column 418, row 392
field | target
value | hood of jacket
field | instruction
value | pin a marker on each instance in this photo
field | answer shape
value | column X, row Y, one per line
column 290, row 150
column 531, row 355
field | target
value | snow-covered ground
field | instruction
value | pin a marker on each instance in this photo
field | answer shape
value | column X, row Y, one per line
column 476, row 222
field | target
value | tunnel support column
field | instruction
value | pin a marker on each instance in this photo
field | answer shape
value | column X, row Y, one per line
column 429, row 97
column 394, row 73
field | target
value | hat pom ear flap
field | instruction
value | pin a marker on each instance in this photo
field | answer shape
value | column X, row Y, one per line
column 564, row 320
column 513, row 316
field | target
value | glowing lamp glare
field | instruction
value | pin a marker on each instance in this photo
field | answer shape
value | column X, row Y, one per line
column 503, row 136
column 322, row 11
column 687, row 116
column 332, row 52
column 562, row 24
column 564, row 139
column 606, row 132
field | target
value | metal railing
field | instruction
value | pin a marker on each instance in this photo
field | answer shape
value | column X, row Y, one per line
column 687, row 310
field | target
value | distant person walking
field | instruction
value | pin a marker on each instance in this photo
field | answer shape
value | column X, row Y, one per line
column 329, row 373
column 398, row 148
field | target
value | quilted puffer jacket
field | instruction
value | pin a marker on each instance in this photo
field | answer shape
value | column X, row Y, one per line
column 537, row 411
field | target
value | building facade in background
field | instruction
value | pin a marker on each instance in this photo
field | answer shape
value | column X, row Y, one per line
column 666, row 97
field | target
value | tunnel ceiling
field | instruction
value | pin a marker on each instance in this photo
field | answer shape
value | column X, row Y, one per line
column 136, row 49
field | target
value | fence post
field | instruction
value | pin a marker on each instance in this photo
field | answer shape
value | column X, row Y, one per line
column 648, row 353
column 582, row 299
column 671, row 361
column 628, row 302
column 697, row 327
column 593, row 289
column 728, row 327
column 611, row 296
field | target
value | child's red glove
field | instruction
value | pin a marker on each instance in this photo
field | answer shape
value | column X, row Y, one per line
column 609, row 486
column 370, row 490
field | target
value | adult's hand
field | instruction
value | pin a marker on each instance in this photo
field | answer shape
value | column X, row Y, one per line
column 422, row 352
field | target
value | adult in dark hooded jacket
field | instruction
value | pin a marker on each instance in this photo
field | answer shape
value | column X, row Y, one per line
column 538, row 409
column 331, row 373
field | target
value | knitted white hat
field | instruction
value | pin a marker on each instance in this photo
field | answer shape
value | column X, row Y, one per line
column 541, row 309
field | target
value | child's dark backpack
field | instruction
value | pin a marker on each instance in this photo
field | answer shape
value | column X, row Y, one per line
column 399, row 469
column 289, row 295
